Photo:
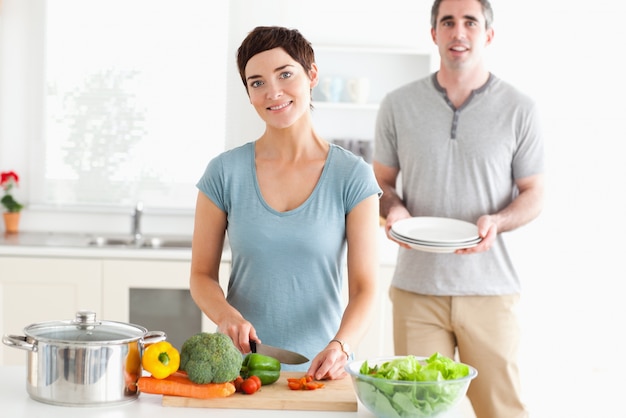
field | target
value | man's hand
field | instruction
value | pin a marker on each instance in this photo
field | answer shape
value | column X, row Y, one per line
column 487, row 230
column 396, row 214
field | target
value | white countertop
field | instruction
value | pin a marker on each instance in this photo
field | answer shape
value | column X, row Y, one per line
column 16, row 403
column 73, row 245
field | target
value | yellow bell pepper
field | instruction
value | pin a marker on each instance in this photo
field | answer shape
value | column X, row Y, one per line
column 161, row 359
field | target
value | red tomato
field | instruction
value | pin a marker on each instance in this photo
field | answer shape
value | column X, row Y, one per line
column 257, row 379
column 250, row 385
column 237, row 382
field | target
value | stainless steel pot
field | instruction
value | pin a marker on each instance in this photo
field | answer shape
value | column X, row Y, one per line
column 83, row 362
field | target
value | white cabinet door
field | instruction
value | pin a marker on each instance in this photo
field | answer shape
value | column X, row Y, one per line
column 44, row 289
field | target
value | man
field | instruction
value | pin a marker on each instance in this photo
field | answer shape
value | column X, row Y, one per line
column 467, row 146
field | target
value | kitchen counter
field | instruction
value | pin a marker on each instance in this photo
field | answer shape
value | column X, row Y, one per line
column 16, row 403
column 74, row 245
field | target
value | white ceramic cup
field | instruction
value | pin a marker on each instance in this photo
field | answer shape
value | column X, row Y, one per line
column 332, row 88
column 359, row 89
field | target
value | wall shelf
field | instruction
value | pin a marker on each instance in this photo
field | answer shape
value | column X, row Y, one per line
column 385, row 68
column 344, row 106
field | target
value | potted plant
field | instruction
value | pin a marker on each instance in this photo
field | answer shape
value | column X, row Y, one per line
column 9, row 180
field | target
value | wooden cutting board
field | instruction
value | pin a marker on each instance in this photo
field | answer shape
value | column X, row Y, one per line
column 336, row 395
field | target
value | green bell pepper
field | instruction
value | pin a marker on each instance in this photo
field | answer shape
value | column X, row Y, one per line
column 264, row 367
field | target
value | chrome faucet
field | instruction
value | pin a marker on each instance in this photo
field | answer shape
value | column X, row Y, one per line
column 136, row 223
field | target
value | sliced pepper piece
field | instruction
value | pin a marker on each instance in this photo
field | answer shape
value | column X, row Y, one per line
column 304, row 383
column 161, row 359
column 265, row 368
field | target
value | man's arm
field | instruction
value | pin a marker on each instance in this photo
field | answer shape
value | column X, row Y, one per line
column 391, row 205
column 523, row 209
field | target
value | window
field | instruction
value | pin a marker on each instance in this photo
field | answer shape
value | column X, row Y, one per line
column 133, row 101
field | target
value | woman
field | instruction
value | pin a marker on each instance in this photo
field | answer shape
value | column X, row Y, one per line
column 291, row 203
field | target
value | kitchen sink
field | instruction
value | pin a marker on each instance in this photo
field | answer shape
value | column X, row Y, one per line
column 100, row 240
column 167, row 243
column 147, row 242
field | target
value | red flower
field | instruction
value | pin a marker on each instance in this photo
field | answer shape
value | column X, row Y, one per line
column 9, row 179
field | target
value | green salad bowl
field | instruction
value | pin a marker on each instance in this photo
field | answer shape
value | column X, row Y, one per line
column 392, row 398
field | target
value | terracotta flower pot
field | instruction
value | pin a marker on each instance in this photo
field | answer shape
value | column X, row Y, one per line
column 11, row 222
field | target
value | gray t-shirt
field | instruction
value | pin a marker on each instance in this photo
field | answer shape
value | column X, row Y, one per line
column 458, row 163
column 286, row 274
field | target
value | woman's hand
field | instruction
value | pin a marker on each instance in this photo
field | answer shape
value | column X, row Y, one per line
column 240, row 331
column 329, row 364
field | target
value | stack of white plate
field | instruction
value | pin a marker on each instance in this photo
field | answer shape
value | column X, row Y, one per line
column 435, row 235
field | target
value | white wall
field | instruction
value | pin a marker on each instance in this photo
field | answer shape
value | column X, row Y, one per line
column 565, row 54
column 18, row 66
column 570, row 257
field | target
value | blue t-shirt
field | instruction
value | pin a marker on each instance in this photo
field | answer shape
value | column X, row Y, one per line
column 286, row 276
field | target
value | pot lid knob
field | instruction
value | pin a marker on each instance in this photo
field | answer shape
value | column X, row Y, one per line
column 85, row 319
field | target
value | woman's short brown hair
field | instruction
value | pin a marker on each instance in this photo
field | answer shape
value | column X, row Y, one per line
column 264, row 38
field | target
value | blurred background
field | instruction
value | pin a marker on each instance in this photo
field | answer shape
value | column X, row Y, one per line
column 565, row 54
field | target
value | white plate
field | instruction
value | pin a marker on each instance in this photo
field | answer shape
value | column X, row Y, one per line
column 433, row 244
column 436, row 248
column 431, row 249
column 436, row 230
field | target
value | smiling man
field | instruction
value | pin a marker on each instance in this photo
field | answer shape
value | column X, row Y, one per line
column 468, row 146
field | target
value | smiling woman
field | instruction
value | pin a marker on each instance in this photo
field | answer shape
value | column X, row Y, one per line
column 125, row 86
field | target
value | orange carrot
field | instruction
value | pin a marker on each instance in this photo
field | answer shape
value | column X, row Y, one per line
column 178, row 384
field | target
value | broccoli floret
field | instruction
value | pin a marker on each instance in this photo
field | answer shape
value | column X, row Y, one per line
column 210, row 358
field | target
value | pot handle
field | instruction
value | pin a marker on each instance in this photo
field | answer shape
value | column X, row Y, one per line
column 154, row 337
column 18, row 341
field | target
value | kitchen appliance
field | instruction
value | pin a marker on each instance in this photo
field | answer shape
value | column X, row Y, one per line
column 83, row 362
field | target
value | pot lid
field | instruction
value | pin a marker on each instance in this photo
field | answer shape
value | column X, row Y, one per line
column 85, row 329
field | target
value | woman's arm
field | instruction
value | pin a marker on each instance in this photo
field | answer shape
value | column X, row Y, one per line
column 206, row 254
column 362, row 225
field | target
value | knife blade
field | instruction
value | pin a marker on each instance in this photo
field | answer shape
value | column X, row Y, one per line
column 280, row 354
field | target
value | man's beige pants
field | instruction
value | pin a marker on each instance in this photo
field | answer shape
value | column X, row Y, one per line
column 484, row 330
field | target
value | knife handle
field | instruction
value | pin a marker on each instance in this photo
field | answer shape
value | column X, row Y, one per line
column 252, row 346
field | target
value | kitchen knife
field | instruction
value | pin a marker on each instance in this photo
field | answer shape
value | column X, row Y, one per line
column 280, row 354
